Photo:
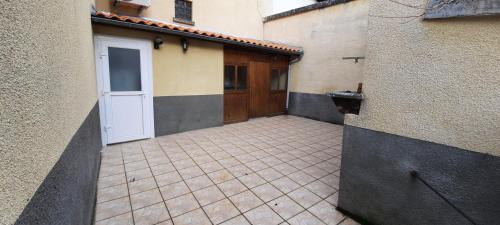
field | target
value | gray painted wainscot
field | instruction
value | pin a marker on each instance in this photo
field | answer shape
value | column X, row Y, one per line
column 376, row 184
column 67, row 195
column 314, row 106
column 174, row 114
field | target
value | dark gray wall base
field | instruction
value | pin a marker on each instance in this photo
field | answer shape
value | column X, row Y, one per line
column 314, row 106
column 175, row 114
column 67, row 195
column 376, row 185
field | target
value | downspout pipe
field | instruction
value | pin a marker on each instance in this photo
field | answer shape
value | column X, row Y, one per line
column 295, row 60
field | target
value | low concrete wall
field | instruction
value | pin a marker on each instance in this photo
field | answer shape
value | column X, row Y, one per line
column 315, row 106
column 375, row 181
column 67, row 195
column 175, row 114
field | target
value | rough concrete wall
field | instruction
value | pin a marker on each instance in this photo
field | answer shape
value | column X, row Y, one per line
column 235, row 17
column 47, row 89
column 199, row 71
column 326, row 35
column 433, row 80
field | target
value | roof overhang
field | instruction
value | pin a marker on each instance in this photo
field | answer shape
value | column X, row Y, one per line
column 152, row 26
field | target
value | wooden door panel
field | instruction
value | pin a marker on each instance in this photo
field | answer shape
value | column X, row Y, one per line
column 259, row 88
column 277, row 102
column 235, row 107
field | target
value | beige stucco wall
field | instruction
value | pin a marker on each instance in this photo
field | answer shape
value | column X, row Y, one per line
column 326, row 35
column 235, row 17
column 199, row 71
column 47, row 89
column 433, row 80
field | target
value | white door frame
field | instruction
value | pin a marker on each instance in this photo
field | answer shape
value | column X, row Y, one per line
column 99, row 41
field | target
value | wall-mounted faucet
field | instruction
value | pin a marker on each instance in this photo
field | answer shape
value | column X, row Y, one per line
column 356, row 58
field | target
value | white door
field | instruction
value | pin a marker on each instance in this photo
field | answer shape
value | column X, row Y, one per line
column 125, row 88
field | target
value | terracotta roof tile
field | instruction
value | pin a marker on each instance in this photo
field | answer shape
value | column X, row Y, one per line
column 147, row 22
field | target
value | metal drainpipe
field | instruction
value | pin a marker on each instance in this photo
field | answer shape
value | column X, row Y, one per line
column 288, row 79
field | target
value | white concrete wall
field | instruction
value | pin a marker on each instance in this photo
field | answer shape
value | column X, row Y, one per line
column 435, row 80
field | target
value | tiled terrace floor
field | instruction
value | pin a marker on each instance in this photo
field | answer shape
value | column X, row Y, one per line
column 279, row 170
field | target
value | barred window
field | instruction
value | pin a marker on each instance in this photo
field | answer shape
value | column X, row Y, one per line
column 184, row 11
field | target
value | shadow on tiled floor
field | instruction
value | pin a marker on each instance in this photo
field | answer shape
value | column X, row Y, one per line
column 279, row 170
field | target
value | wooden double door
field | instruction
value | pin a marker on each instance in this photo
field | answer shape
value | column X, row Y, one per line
column 252, row 86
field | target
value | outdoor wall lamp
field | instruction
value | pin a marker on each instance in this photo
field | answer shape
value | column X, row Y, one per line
column 158, row 42
column 184, row 45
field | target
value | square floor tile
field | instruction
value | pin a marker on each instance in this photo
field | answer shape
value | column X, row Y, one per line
column 211, row 167
column 185, row 163
column 158, row 161
column 168, row 178
column 269, row 174
column 331, row 180
column 285, row 207
column 245, row 201
column 111, row 170
column 220, row 176
column 320, row 188
column 240, row 170
column 203, row 159
column 252, row 180
column 196, row 217
column 263, row 215
column 229, row 162
column 133, row 158
column 125, row 219
column 191, row 172
column 316, row 172
column 142, row 185
column 111, row 193
column 174, row 190
column 256, row 165
column 162, row 169
column 333, row 199
column 151, row 215
column 305, row 218
column 199, row 182
column 304, row 197
column 327, row 213
column 232, row 187
column 271, row 161
column 301, row 177
column 221, row 211
column 208, row 195
column 112, row 208
column 181, row 205
column 109, row 181
column 239, row 220
column 330, row 167
column 298, row 163
column 245, row 158
column 136, row 165
column 267, row 192
column 285, row 184
column 138, row 174
column 285, row 169
column 146, row 198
